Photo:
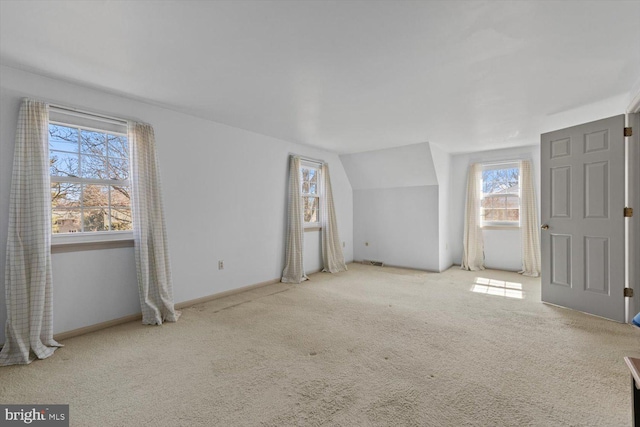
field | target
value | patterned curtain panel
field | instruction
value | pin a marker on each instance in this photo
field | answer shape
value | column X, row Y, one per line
column 149, row 231
column 332, row 256
column 529, row 223
column 29, row 327
column 294, row 245
column 473, row 253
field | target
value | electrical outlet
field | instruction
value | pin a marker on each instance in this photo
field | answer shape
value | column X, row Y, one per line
column 221, row 265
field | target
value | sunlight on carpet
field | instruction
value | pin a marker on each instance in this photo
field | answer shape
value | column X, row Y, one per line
column 496, row 287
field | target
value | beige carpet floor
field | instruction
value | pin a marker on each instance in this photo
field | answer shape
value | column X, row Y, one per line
column 372, row 346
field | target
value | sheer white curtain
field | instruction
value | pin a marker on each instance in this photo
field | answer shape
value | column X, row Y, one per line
column 28, row 281
column 529, row 222
column 473, row 252
column 149, row 231
column 294, row 245
column 332, row 256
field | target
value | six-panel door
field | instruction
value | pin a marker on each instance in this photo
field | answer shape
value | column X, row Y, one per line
column 582, row 183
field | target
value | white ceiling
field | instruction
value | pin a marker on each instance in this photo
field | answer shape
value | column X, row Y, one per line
column 346, row 76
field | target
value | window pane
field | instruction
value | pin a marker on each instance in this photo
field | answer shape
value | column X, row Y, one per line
column 311, row 205
column 66, row 221
column 94, row 167
column 501, row 207
column 485, row 203
column 63, row 138
column 494, row 202
column 118, row 169
column 91, row 158
column 502, row 215
column 305, row 187
column 313, row 188
column 490, row 214
column 313, row 175
column 513, row 202
column 63, row 164
column 500, row 181
column 95, row 195
column 118, row 146
column 120, row 197
column 93, row 143
column 65, row 194
column 121, row 219
column 96, row 219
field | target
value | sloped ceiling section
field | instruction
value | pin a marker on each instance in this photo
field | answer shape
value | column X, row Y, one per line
column 345, row 76
column 407, row 166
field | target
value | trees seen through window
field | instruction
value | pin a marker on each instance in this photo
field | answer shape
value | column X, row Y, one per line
column 89, row 180
column 310, row 195
column 501, row 196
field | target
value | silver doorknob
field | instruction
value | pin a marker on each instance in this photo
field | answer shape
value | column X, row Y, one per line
column 545, row 227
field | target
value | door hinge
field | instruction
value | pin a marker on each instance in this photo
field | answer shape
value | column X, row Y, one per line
column 628, row 131
column 628, row 212
column 628, row 292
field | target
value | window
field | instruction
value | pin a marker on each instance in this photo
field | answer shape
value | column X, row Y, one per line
column 500, row 204
column 89, row 167
column 310, row 194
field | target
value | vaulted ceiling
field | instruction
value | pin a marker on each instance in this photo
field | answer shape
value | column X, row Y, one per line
column 346, row 76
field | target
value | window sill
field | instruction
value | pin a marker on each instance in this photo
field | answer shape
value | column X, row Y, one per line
column 312, row 229
column 91, row 241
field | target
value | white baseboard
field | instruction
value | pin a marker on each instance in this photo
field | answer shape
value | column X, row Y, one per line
column 137, row 316
column 192, row 302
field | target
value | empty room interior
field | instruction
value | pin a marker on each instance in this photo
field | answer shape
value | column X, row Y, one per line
column 320, row 213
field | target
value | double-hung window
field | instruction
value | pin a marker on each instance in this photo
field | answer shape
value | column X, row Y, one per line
column 89, row 167
column 501, row 195
column 310, row 192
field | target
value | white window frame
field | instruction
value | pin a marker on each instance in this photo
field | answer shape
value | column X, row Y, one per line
column 95, row 123
column 305, row 164
column 502, row 224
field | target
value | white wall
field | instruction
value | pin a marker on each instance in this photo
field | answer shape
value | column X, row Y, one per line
column 442, row 164
column 502, row 248
column 88, row 290
column 400, row 226
column 395, row 206
column 312, row 246
column 224, row 194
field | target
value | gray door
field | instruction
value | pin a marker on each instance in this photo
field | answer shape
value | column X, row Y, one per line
column 582, row 189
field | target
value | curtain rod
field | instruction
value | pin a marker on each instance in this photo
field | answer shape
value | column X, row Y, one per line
column 308, row 159
column 88, row 113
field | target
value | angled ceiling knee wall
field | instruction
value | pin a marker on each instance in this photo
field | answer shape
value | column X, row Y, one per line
column 396, row 206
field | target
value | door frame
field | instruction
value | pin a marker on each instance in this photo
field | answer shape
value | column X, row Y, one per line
column 633, row 200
